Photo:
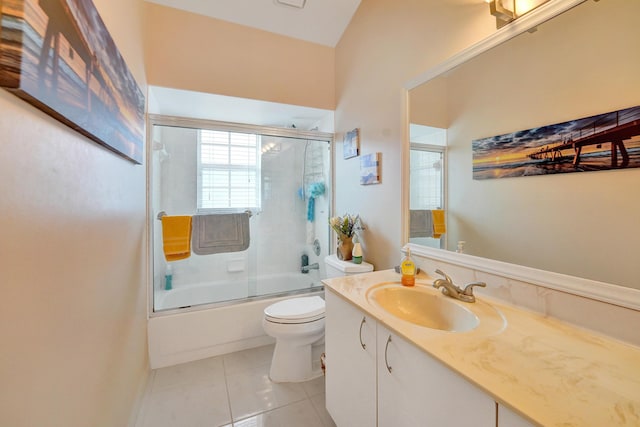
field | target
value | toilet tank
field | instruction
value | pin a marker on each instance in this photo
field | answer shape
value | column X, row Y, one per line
column 337, row 268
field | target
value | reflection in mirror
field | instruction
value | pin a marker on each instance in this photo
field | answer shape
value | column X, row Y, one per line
column 581, row 63
column 426, row 181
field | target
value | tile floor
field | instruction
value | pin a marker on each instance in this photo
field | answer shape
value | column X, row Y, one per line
column 232, row 390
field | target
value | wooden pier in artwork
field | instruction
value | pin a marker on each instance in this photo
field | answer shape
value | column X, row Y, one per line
column 58, row 56
column 612, row 128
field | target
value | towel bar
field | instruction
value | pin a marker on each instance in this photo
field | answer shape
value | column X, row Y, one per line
column 163, row 213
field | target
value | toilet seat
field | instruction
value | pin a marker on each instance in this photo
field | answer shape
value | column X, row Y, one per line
column 296, row 310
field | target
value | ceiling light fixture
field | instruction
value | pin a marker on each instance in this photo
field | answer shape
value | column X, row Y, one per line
column 298, row 4
column 506, row 11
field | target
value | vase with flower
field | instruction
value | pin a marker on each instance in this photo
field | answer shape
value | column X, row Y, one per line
column 345, row 227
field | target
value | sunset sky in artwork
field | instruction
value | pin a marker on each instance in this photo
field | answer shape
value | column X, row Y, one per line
column 516, row 146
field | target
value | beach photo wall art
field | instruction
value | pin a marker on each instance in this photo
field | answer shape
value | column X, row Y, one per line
column 601, row 142
column 59, row 56
column 370, row 169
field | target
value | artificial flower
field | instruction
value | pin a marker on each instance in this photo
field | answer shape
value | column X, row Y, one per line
column 345, row 226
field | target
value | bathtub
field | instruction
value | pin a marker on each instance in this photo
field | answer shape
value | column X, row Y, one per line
column 231, row 291
column 200, row 331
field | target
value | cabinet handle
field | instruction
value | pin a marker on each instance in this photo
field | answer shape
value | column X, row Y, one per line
column 362, row 344
column 386, row 347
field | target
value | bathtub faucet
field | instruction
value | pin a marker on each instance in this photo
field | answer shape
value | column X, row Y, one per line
column 306, row 268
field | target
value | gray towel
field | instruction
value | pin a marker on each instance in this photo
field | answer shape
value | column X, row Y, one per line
column 220, row 233
column 420, row 223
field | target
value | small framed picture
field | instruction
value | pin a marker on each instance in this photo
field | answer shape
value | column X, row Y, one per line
column 351, row 144
column 370, row 169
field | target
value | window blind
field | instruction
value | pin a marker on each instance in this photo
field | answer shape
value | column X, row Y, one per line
column 228, row 170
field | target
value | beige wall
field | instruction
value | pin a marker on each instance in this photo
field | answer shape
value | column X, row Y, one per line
column 193, row 52
column 580, row 64
column 387, row 44
column 72, row 255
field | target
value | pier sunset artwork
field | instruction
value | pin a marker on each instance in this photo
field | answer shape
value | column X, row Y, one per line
column 602, row 142
column 59, row 56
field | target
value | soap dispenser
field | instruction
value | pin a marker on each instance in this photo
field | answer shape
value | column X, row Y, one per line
column 408, row 270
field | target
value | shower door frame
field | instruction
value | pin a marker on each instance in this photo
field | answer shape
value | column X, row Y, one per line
column 191, row 123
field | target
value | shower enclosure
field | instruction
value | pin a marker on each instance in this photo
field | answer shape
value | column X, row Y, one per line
column 281, row 178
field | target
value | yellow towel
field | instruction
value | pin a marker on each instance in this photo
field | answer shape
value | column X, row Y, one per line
column 439, row 228
column 176, row 237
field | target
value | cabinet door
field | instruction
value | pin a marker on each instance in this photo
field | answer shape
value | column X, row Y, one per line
column 508, row 418
column 420, row 391
column 350, row 347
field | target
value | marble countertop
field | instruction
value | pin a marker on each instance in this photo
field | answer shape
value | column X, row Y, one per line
column 550, row 372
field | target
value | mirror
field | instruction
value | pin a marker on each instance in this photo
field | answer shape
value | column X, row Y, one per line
column 581, row 63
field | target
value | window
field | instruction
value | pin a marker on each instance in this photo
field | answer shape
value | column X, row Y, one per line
column 228, row 171
column 426, row 177
column 427, row 167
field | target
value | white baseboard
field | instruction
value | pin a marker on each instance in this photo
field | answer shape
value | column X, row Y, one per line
column 178, row 357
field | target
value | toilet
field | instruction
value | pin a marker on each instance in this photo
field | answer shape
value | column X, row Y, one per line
column 297, row 324
column 336, row 267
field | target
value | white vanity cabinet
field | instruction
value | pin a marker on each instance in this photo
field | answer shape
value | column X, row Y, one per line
column 419, row 391
column 508, row 418
column 414, row 389
column 350, row 346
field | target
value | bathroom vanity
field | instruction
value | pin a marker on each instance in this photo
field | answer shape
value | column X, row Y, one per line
column 513, row 368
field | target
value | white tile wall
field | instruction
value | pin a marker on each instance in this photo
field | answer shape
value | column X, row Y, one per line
column 278, row 232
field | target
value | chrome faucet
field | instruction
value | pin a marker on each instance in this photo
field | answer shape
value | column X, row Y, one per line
column 451, row 290
column 306, row 268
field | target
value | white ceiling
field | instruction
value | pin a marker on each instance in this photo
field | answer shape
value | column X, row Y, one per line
column 320, row 21
column 196, row 105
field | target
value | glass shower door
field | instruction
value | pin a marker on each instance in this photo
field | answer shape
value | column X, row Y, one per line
column 283, row 182
column 292, row 227
column 177, row 191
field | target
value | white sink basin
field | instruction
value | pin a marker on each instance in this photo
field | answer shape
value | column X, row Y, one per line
column 423, row 306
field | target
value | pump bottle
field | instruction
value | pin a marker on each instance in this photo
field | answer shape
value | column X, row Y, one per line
column 168, row 278
column 408, row 270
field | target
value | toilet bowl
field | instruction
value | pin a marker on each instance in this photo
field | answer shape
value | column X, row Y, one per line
column 296, row 324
